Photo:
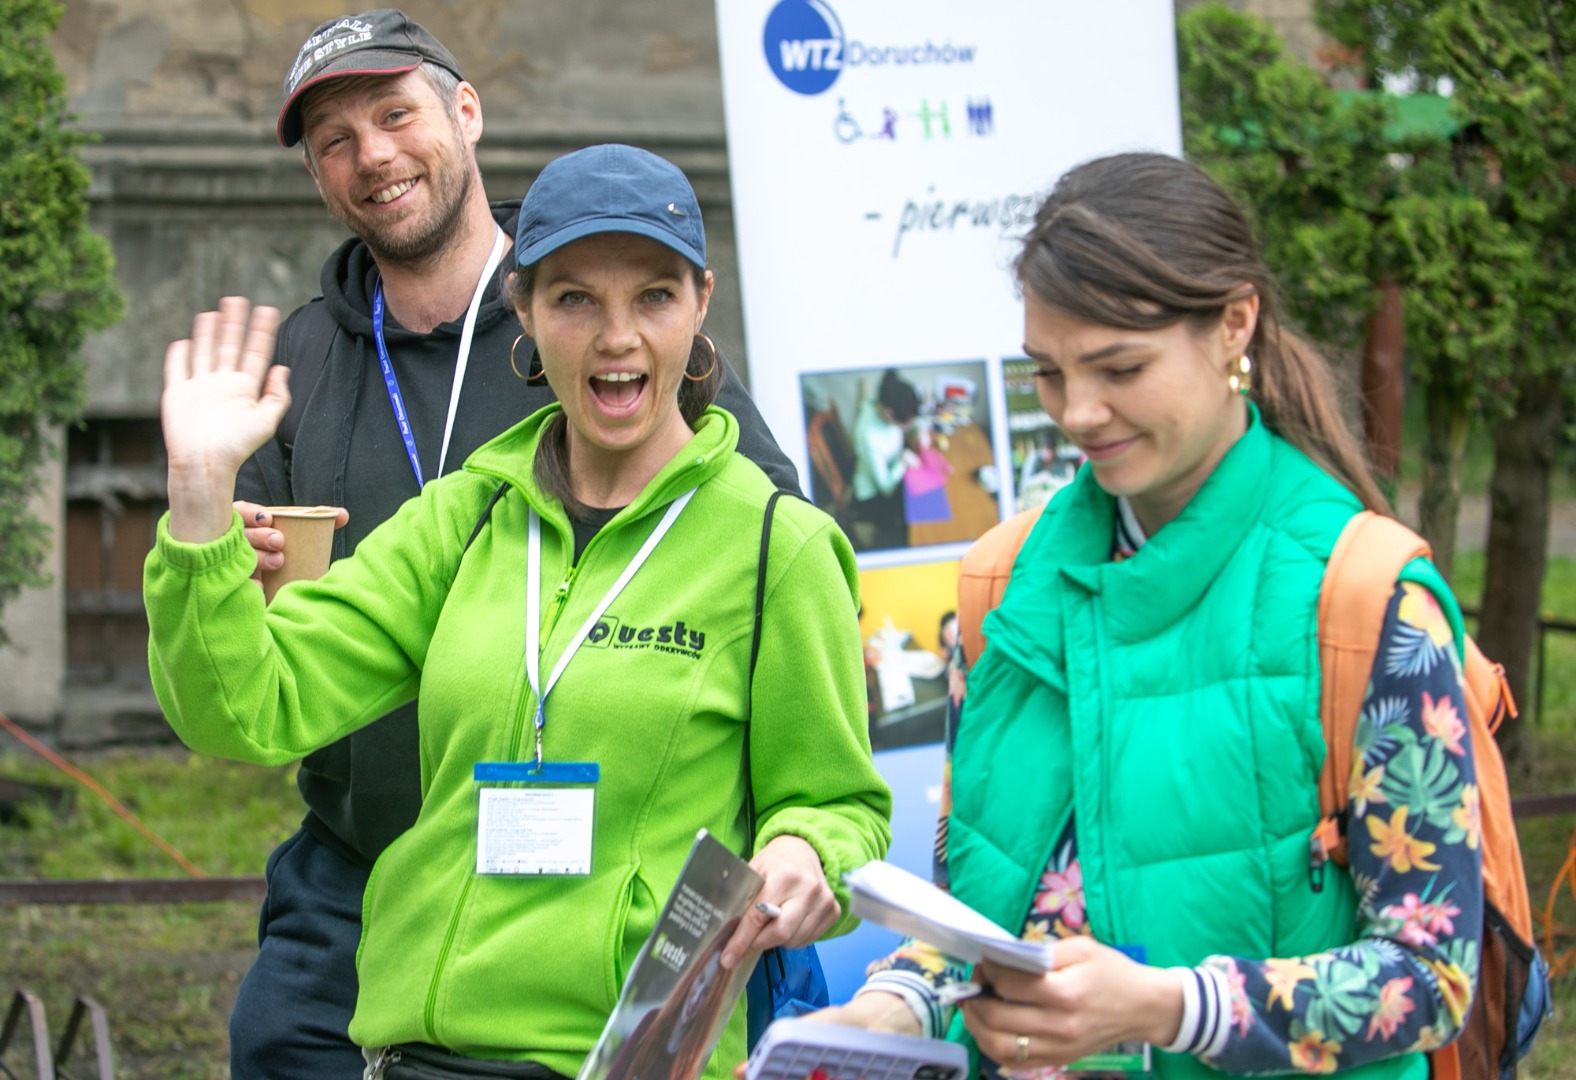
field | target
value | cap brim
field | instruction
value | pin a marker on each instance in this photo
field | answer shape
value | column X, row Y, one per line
column 597, row 226
column 364, row 62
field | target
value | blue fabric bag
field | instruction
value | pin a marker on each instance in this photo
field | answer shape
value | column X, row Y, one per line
column 785, row 982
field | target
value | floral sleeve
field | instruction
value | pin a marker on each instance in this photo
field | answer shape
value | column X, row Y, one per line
column 1413, row 839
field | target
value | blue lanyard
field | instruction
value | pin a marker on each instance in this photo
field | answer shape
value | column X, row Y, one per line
column 401, row 417
column 392, row 383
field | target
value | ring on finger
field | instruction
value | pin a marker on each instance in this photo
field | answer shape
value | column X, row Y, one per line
column 1022, row 1053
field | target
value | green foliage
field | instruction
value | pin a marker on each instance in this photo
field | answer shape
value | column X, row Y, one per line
column 1396, row 30
column 1345, row 197
column 55, row 277
column 1310, row 167
column 1464, row 271
column 1512, row 68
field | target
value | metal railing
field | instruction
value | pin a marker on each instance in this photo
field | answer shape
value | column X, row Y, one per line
column 50, row 1064
column 1547, row 624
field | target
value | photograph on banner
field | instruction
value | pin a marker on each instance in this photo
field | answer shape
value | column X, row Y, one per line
column 902, row 456
column 909, row 624
column 1044, row 459
column 896, row 154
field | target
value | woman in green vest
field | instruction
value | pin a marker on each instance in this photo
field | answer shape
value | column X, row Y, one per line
column 1135, row 770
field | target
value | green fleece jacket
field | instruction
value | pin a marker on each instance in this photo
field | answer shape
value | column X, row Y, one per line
column 529, row 967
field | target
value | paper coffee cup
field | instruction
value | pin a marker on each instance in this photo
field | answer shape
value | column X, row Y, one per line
column 309, row 537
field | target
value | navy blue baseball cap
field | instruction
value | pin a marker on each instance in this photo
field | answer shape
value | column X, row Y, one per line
column 609, row 189
column 379, row 42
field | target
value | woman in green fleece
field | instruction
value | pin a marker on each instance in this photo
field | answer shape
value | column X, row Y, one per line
column 580, row 597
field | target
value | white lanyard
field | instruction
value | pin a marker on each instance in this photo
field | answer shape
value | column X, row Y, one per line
column 467, row 332
column 533, row 606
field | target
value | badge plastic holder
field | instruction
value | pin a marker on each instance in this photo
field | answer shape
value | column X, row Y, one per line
column 793, row 1048
column 535, row 820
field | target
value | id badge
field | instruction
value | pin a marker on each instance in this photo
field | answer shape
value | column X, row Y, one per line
column 534, row 820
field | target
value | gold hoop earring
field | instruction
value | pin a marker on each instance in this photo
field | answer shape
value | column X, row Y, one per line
column 1241, row 380
column 711, row 345
column 534, row 357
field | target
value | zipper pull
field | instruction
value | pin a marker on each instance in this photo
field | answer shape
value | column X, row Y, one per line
column 387, row 1056
column 567, row 580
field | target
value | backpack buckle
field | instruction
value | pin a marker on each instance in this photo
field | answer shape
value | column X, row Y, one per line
column 1321, row 842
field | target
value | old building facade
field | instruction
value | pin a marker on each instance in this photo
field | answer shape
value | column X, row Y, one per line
column 199, row 201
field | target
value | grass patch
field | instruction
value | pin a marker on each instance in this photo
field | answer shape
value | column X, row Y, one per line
column 166, row 974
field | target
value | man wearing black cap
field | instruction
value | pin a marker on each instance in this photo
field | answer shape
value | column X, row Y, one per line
column 399, row 371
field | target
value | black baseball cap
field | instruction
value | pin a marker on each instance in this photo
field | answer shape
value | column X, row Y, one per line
column 379, row 42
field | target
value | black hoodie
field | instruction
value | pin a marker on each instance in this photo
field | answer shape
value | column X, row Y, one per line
column 364, row 790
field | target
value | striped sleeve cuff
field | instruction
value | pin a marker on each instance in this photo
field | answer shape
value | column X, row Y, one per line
column 1206, row 1013
column 918, row 993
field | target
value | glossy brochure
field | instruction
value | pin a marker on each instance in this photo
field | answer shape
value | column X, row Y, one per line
column 677, row 998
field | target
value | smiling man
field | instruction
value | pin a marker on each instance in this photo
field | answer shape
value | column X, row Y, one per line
column 410, row 325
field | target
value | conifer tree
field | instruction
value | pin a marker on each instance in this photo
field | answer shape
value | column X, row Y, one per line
column 1510, row 66
column 56, row 285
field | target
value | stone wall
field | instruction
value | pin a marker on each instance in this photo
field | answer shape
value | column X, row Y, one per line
column 199, row 200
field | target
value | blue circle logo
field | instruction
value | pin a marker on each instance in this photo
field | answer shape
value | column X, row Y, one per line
column 804, row 45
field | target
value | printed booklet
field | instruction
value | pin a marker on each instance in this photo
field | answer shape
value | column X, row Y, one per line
column 678, row 998
column 898, row 900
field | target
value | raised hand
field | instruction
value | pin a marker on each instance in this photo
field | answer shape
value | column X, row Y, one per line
column 222, row 400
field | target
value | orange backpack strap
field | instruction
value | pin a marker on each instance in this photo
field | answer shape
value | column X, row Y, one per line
column 983, row 576
column 1359, row 580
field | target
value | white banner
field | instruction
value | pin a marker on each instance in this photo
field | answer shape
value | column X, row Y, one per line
column 884, row 157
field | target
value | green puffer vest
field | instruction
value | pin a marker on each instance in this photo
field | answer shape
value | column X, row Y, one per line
column 1171, row 703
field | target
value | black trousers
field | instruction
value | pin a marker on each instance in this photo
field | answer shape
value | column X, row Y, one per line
column 292, row 1014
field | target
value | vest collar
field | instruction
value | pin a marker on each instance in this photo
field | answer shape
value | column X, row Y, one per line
column 1166, row 578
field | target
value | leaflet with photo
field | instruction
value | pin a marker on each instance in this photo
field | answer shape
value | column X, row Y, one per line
column 677, row 998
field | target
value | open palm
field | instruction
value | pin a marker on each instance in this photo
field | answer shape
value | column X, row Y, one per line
column 221, row 399
column 221, row 402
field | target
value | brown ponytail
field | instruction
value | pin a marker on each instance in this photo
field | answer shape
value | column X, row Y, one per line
column 1143, row 241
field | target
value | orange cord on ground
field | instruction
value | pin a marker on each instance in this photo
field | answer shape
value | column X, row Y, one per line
column 1561, row 961
column 94, row 786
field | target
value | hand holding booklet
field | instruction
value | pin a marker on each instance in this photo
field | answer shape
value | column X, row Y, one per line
column 677, row 998
column 907, row 903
